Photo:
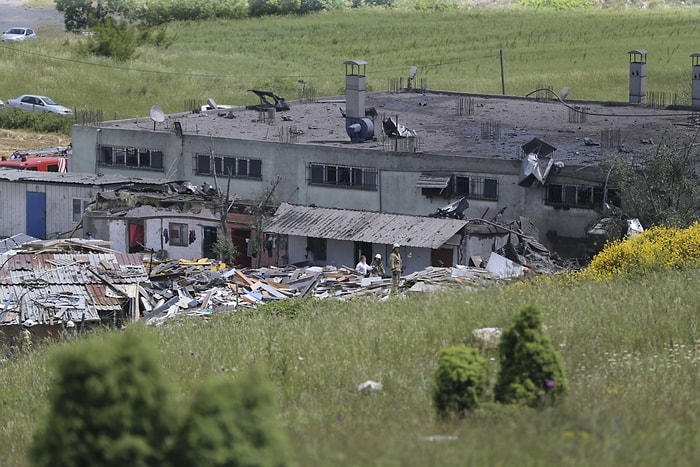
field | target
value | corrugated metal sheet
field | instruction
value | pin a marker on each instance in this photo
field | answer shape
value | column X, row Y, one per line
column 433, row 180
column 75, row 178
column 363, row 226
column 60, row 286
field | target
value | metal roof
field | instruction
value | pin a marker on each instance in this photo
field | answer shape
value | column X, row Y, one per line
column 56, row 287
column 433, row 180
column 75, row 178
column 363, row 226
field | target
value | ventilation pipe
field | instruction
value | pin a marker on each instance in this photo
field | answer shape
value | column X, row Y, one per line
column 638, row 76
column 358, row 126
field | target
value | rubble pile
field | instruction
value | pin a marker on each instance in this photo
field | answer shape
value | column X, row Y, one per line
column 204, row 286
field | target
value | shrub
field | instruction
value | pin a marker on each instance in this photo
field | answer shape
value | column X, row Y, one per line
column 108, row 406
column 461, row 379
column 114, row 39
column 231, row 422
column 41, row 122
column 531, row 370
column 656, row 249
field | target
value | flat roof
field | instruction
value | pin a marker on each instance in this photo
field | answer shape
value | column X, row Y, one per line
column 446, row 123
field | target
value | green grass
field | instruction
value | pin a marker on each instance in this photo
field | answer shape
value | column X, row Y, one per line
column 629, row 349
column 585, row 50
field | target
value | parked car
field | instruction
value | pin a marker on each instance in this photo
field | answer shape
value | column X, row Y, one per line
column 18, row 34
column 34, row 103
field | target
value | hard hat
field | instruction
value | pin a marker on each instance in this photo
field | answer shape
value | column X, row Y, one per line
column 378, row 256
column 28, row 323
column 396, row 245
column 70, row 324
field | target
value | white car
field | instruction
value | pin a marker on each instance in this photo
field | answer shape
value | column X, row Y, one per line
column 18, row 34
column 34, row 103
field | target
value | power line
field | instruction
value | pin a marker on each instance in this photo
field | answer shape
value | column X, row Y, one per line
column 208, row 75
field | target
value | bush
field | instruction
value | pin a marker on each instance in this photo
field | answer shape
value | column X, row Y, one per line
column 40, row 122
column 231, row 422
column 656, row 249
column 114, row 39
column 531, row 370
column 108, row 406
column 461, row 379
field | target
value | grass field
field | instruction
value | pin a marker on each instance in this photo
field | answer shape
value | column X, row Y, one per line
column 585, row 50
column 630, row 349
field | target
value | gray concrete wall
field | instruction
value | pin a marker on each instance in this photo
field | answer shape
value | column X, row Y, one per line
column 397, row 175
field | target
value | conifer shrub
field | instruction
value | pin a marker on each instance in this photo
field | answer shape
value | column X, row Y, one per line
column 108, row 406
column 461, row 380
column 531, row 371
column 231, row 421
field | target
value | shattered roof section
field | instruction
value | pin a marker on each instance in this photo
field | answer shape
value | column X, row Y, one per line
column 363, row 226
column 50, row 287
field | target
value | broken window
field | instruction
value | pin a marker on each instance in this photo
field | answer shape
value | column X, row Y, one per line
column 79, row 207
column 580, row 196
column 178, row 234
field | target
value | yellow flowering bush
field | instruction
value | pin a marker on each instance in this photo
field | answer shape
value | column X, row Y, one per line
column 658, row 248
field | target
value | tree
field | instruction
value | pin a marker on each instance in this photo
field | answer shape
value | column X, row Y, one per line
column 114, row 39
column 660, row 187
column 531, row 371
column 108, row 406
column 76, row 13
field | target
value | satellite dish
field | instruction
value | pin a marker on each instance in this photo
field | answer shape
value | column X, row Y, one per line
column 212, row 103
column 157, row 114
column 564, row 93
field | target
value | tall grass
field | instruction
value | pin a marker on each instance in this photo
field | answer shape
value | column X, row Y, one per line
column 629, row 348
column 585, row 50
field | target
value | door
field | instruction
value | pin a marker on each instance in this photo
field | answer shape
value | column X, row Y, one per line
column 360, row 249
column 443, row 255
column 36, row 214
column 209, row 238
column 136, row 236
column 240, row 239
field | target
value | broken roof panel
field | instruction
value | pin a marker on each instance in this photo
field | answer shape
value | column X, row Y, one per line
column 363, row 226
column 538, row 147
column 60, row 286
column 427, row 180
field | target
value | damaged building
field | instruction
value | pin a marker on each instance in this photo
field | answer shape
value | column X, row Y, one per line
column 404, row 152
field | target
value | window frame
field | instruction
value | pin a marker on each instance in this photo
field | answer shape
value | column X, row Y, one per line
column 566, row 195
column 130, row 157
column 343, row 176
column 241, row 167
column 182, row 230
column 475, row 187
column 84, row 202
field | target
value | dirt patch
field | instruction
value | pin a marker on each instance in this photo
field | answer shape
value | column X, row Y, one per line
column 18, row 140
